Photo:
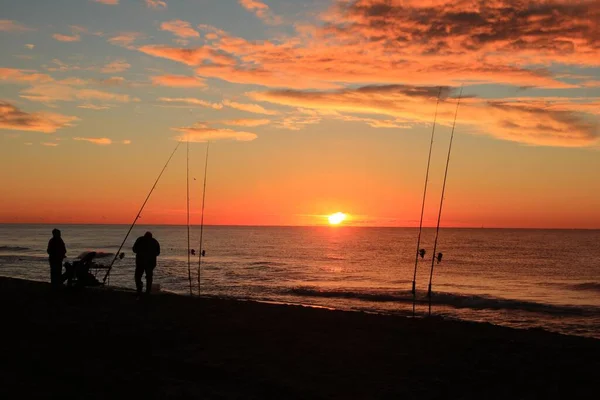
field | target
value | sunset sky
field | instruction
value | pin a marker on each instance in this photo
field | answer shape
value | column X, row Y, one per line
column 312, row 107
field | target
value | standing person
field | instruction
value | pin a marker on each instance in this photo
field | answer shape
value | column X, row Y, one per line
column 146, row 249
column 56, row 254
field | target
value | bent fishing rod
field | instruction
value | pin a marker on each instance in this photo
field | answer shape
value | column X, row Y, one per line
column 419, row 251
column 437, row 231
column 201, row 252
column 138, row 214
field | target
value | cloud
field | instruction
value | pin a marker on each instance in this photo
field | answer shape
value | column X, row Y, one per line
column 260, row 76
column 66, row 38
column 115, row 67
column 524, row 31
column 98, row 141
column 50, row 93
column 179, row 28
column 15, row 119
column 521, row 120
column 251, row 108
column 108, row 2
column 7, row 25
column 13, row 75
column 193, row 56
column 203, row 133
column 262, row 11
column 30, row 46
column 126, row 141
column 125, row 39
column 93, row 107
column 156, row 4
column 178, row 81
column 113, row 81
column 49, row 144
column 191, row 101
column 246, row 122
column 441, row 42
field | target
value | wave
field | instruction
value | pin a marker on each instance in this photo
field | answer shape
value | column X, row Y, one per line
column 591, row 286
column 14, row 248
column 475, row 302
column 266, row 264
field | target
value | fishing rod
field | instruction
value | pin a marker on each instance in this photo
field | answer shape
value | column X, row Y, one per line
column 138, row 214
column 421, row 252
column 188, row 215
column 202, row 216
column 437, row 231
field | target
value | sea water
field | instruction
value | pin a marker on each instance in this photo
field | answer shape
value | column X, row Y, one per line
column 514, row 277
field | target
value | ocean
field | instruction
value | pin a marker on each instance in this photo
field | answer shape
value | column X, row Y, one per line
column 521, row 278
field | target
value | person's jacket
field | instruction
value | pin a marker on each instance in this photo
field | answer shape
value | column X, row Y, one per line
column 146, row 250
column 56, row 248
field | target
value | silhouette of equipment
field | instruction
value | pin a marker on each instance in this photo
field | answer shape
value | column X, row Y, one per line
column 84, row 270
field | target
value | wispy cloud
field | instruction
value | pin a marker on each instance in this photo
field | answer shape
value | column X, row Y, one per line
column 49, row 144
column 251, row 108
column 30, row 46
column 262, row 11
column 125, row 39
column 15, row 119
column 179, row 28
column 108, row 2
column 66, row 38
column 115, row 67
column 98, row 141
column 93, row 107
column 7, row 25
column 156, row 4
column 178, row 81
column 23, row 76
column 54, row 92
column 525, row 121
column 204, row 133
column 246, row 122
column 191, row 101
column 191, row 56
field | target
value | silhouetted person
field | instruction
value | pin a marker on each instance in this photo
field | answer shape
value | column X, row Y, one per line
column 56, row 254
column 146, row 249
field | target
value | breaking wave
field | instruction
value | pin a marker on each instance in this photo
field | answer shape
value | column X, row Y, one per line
column 14, row 248
column 453, row 300
column 591, row 286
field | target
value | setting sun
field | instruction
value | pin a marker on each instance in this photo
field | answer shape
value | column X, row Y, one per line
column 337, row 218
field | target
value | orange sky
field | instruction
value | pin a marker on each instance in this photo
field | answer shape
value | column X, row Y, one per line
column 311, row 108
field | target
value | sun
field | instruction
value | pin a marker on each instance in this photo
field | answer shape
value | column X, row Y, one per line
column 337, row 218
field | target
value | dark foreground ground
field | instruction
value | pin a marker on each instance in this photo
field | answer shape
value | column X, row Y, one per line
column 101, row 344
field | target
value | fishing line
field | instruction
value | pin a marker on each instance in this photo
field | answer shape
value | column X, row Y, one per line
column 433, row 257
column 188, row 215
column 202, row 216
column 138, row 214
column 419, row 251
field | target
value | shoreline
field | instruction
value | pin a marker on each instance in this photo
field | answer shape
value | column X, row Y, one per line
column 100, row 343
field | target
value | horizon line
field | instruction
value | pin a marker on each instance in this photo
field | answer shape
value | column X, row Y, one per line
column 293, row 226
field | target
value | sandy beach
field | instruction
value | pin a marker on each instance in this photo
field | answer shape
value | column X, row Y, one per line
column 100, row 343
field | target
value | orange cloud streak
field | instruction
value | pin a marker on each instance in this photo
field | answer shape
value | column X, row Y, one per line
column 14, row 119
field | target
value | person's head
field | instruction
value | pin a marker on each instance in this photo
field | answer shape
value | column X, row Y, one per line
column 148, row 235
column 55, row 233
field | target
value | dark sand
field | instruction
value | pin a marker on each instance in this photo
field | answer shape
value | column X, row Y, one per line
column 101, row 343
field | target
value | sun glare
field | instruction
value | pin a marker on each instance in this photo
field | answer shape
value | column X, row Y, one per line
column 337, row 218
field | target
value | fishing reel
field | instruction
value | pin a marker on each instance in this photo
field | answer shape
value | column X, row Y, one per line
column 439, row 256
